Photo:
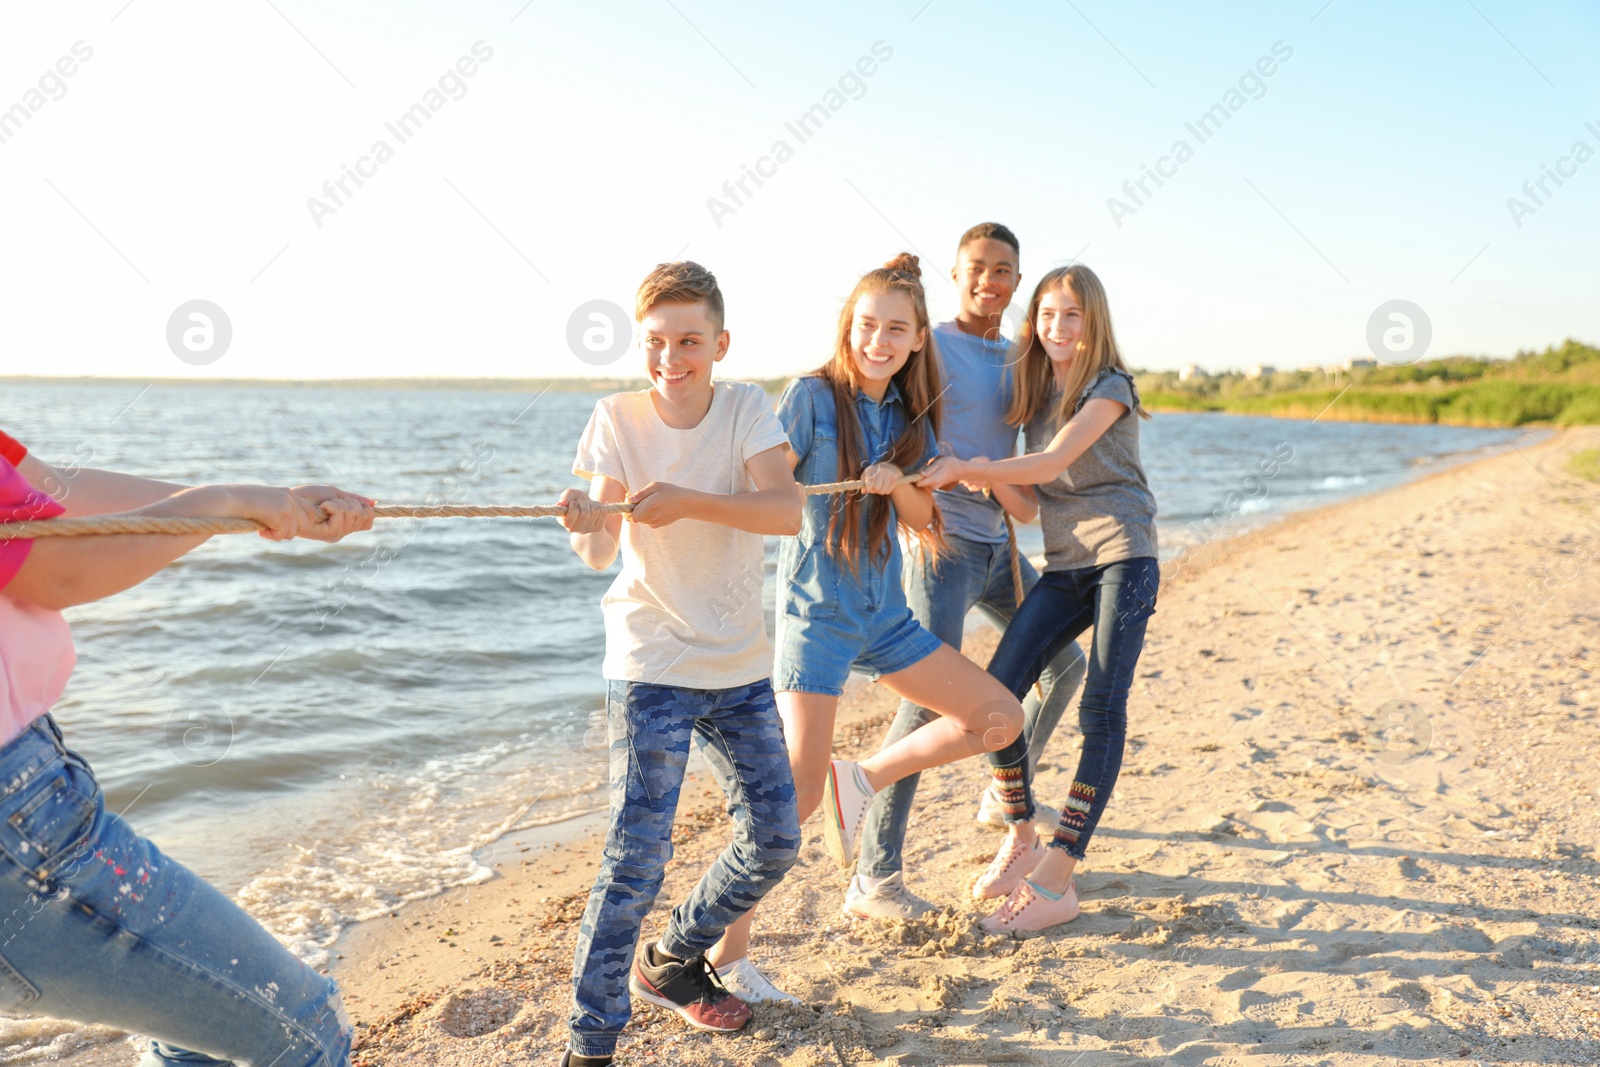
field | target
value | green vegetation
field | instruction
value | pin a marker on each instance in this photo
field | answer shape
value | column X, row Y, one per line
column 1557, row 387
column 1586, row 464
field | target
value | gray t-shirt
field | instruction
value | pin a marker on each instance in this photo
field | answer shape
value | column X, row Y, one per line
column 1101, row 509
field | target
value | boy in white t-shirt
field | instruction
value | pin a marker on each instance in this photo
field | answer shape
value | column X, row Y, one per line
column 704, row 465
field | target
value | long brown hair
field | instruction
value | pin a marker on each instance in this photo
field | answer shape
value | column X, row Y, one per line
column 919, row 385
column 1032, row 376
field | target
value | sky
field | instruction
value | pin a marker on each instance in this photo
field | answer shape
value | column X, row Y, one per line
column 1371, row 154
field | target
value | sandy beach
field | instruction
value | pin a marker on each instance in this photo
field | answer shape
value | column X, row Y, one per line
column 1356, row 826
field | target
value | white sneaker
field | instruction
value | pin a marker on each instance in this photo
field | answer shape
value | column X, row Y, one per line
column 991, row 814
column 845, row 800
column 745, row 981
column 889, row 899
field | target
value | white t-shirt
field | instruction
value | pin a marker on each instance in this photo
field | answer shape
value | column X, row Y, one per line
column 686, row 608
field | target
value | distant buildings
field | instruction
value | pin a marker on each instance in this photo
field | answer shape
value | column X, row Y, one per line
column 1261, row 370
column 1190, row 371
column 1360, row 364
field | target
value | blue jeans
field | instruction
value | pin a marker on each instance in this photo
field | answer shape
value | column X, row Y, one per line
column 968, row 574
column 100, row 927
column 1117, row 599
column 739, row 733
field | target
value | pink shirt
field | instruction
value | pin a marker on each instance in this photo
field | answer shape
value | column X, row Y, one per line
column 36, row 653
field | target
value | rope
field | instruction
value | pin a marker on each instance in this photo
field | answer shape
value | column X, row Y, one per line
column 1016, row 557
column 142, row 524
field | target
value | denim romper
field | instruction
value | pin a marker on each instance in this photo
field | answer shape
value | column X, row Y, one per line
column 831, row 621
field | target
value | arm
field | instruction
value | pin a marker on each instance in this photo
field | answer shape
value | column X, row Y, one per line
column 1020, row 501
column 595, row 536
column 61, row 572
column 1070, row 442
column 774, row 508
column 84, row 491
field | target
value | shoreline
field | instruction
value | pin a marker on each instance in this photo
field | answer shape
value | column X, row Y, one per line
column 361, row 942
column 431, row 951
column 1309, row 415
column 1188, row 888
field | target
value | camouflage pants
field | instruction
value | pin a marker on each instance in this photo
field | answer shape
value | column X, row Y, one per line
column 740, row 735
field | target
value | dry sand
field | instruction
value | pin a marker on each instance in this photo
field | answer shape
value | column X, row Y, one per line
column 1356, row 826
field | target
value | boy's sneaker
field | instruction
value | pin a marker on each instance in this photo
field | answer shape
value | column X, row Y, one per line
column 1014, row 862
column 689, row 987
column 845, row 800
column 571, row 1059
column 992, row 815
column 889, row 899
column 744, row 980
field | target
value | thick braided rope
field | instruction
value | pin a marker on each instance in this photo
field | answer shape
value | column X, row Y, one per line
column 139, row 524
column 1016, row 557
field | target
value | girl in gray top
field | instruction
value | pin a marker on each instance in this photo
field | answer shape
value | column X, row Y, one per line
column 1080, row 415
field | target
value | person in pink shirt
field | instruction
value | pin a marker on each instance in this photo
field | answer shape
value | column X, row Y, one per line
column 96, row 924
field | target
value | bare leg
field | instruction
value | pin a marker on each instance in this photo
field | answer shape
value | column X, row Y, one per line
column 1055, row 870
column 808, row 731
column 976, row 714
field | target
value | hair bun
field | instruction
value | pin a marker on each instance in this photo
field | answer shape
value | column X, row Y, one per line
column 905, row 262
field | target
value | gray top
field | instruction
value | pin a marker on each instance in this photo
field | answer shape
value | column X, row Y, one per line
column 1101, row 509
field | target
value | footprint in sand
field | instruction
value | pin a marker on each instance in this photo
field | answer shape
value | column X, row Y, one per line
column 475, row 1012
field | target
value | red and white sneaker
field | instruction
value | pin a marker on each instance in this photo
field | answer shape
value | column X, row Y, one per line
column 846, row 796
column 1014, row 862
column 1027, row 910
column 689, row 987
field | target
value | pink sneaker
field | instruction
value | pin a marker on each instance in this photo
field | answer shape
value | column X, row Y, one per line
column 1027, row 910
column 1014, row 862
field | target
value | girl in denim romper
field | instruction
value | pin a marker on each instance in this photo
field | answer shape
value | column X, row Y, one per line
column 871, row 413
column 1080, row 413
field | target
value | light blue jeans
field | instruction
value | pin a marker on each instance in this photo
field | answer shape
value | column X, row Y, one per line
column 968, row 574
column 98, row 926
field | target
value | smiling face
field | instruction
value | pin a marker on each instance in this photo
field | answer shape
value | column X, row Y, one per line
column 681, row 344
column 1059, row 324
column 986, row 277
column 883, row 334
